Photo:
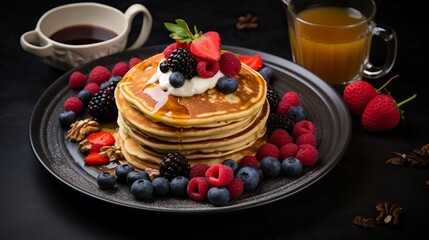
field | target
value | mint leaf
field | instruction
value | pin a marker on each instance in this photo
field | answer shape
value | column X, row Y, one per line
column 180, row 31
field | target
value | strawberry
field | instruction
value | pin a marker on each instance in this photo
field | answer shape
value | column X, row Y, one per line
column 382, row 113
column 357, row 95
column 207, row 47
column 97, row 140
column 94, row 158
column 202, row 46
column 253, row 61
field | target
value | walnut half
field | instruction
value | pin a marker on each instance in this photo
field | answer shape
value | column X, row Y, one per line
column 389, row 213
column 114, row 153
column 81, row 128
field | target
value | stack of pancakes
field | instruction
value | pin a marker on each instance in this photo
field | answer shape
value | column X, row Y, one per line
column 206, row 128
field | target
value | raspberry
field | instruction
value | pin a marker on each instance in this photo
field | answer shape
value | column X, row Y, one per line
column 169, row 49
column 248, row 160
column 235, row 188
column 219, row 175
column 267, row 149
column 283, row 107
column 307, row 154
column 120, row 69
column 207, row 69
column 133, row 61
column 198, row 170
column 280, row 137
column 73, row 104
column 197, row 188
column 306, row 138
column 288, row 150
column 99, row 74
column 93, row 88
column 302, row 127
column 229, row 64
column 77, row 80
column 287, row 101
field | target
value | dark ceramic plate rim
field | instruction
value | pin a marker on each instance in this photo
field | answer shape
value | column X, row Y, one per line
column 63, row 160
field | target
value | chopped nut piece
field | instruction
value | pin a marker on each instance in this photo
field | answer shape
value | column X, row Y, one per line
column 114, row 153
column 389, row 213
column 84, row 145
column 153, row 173
column 364, row 222
column 247, row 22
column 398, row 159
column 81, row 128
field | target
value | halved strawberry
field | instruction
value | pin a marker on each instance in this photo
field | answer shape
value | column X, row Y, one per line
column 99, row 139
column 94, row 158
column 207, row 47
column 253, row 61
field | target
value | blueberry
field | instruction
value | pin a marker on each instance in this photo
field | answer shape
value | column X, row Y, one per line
column 249, row 176
column 270, row 166
column 178, row 186
column 163, row 66
column 218, row 196
column 297, row 113
column 232, row 164
column 291, row 167
column 84, row 95
column 142, row 189
column 227, row 84
column 266, row 73
column 67, row 118
column 114, row 79
column 122, row 170
column 161, row 186
column 106, row 180
column 104, row 85
column 176, row 79
column 132, row 176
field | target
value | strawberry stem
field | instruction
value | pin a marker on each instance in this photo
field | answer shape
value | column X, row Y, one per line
column 407, row 100
column 388, row 81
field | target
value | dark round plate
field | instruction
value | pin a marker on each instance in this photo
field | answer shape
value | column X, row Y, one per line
column 63, row 160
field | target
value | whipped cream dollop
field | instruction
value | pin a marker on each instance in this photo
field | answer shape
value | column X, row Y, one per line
column 195, row 85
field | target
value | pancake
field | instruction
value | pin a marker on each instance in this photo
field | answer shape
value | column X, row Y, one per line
column 209, row 109
column 142, row 157
column 140, row 123
column 250, row 133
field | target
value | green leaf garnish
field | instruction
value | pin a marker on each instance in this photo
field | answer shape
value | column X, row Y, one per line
column 180, row 31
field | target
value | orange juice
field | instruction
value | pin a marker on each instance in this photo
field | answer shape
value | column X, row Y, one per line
column 332, row 42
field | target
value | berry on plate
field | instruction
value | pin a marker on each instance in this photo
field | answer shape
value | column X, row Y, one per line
column 197, row 188
column 77, row 80
column 219, row 175
column 253, row 61
column 106, row 180
column 99, row 74
column 73, row 104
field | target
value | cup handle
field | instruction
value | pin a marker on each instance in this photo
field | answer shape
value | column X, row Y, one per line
column 389, row 36
column 130, row 13
column 31, row 43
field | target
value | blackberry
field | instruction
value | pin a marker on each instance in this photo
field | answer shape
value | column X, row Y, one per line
column 283, row 121
column 273, row 98
column 182, row 61
column 174, row 165
column 102, row 105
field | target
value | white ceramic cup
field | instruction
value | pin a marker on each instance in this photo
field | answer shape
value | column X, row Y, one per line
column 67, row 56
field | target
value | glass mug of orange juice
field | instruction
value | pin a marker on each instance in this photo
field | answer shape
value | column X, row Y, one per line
column 332, row 38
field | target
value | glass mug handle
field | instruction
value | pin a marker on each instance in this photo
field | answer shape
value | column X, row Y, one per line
column 389, row 37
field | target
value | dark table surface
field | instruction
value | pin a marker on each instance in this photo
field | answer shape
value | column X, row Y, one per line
column 36, row 205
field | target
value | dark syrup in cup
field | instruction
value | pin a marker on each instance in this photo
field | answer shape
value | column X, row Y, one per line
column 83, row 34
